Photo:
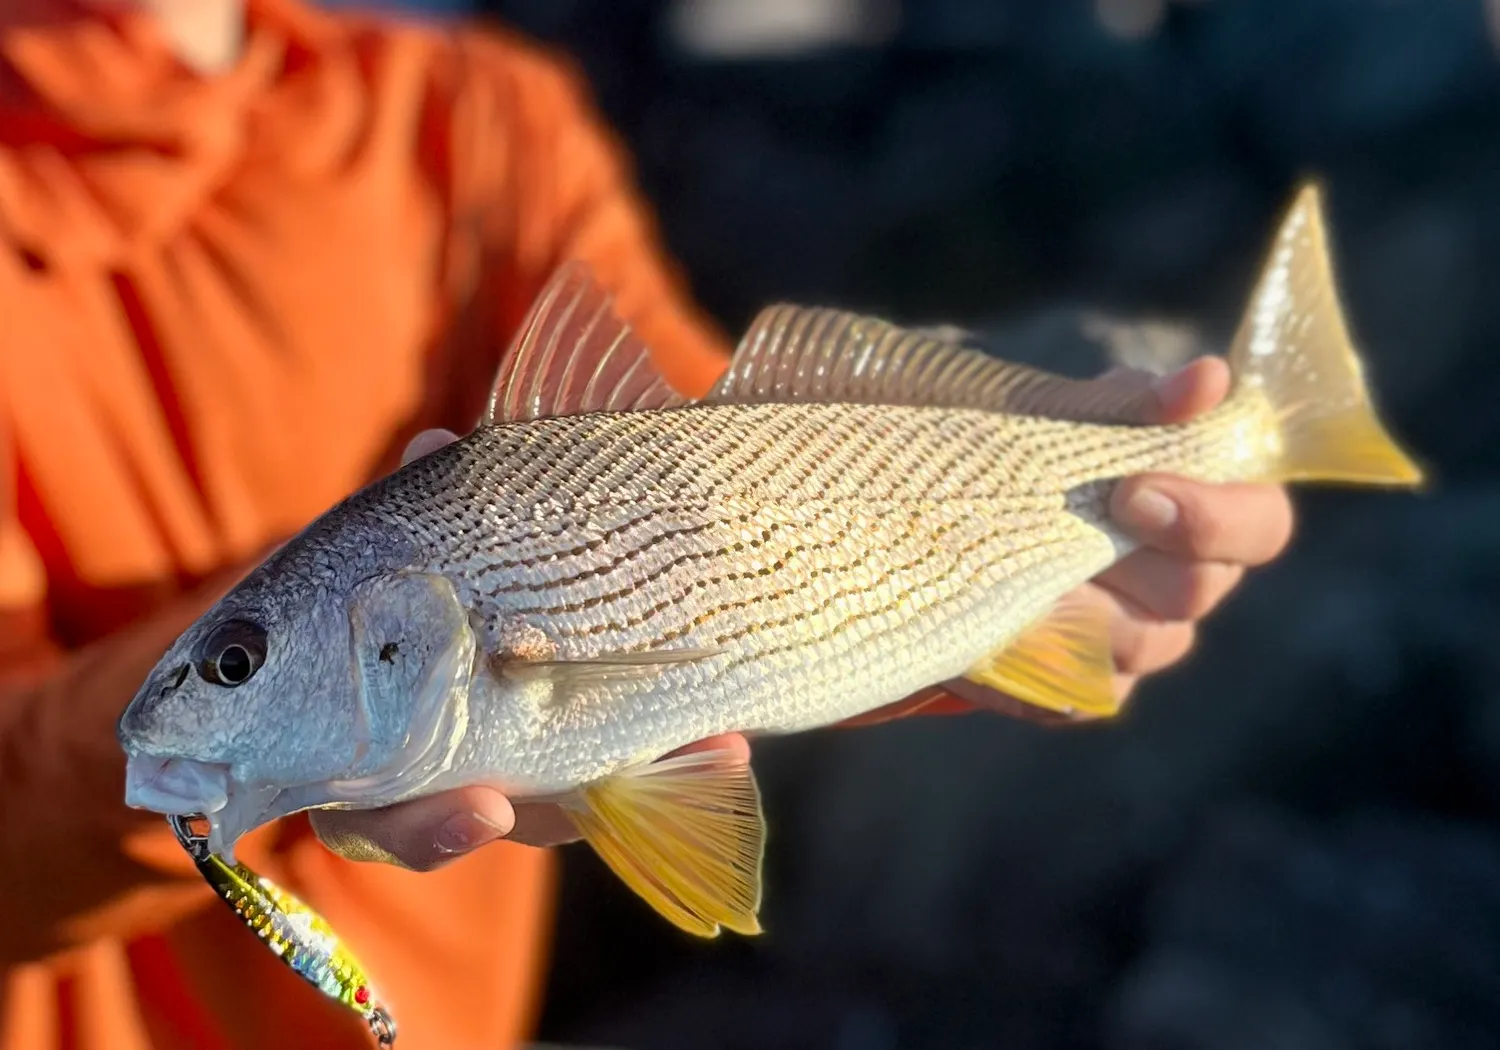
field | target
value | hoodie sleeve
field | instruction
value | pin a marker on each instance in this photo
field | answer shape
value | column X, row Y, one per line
column 76, row 864
column 74, row 860
column 538, row 178
column 78, row 867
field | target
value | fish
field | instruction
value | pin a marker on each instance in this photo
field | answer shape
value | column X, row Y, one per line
column 293, row 932
column 605, row 571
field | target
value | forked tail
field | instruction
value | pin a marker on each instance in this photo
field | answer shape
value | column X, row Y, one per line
column 1293, row 352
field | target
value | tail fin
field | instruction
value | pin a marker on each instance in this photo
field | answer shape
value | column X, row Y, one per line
column 1293, row 348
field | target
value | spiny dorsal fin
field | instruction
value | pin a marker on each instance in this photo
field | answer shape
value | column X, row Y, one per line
column 793, row 353
column 573, row 354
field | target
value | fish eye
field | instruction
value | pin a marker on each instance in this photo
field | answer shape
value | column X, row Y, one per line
column 232, row 653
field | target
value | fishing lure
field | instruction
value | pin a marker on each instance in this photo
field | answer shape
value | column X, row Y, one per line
column 298, row 935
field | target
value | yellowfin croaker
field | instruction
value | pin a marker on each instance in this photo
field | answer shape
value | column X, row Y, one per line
column 604, row 572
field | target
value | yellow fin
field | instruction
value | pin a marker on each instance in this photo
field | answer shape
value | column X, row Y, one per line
column 686, row 834
column 1061, row 663
column 1294, row 349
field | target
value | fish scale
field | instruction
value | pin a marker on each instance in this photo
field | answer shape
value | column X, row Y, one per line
column 858, row 519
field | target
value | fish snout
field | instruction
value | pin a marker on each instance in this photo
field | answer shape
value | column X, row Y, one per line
column 139, row 716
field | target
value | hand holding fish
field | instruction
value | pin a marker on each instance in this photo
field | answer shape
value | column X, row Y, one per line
column 1196, row 540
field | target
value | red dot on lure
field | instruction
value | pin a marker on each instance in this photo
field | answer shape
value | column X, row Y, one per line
column 361, row 995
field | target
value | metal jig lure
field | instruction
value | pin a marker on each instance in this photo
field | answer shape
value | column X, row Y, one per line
column 299, row 936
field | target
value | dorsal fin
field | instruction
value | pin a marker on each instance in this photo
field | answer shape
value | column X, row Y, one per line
column 793, row 353
column 573, row 354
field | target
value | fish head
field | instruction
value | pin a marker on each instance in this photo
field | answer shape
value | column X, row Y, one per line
column 255, row 698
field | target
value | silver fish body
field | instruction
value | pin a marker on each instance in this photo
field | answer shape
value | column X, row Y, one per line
column 832, row 559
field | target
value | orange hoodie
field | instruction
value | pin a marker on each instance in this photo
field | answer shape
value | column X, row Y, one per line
column 225, row 303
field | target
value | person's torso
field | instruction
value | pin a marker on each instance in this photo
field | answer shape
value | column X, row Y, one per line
column 210, row 335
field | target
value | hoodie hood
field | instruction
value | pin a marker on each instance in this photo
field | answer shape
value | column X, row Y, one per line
column 108, row 141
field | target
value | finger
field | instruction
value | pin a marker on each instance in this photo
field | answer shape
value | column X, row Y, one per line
column 1131, row 394
column 1149, row 648
column 1140, row 642
column 1169, row 587
column 1237, row 523
column 543, row 824
column 1124, row 687
column 426, row 442
column 422, row 834
column 1192, row 390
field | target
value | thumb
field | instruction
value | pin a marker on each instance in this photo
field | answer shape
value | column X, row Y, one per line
column 1191, row 390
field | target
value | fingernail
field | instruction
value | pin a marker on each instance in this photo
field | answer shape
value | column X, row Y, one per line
column 1150, row 510
column 465, row 831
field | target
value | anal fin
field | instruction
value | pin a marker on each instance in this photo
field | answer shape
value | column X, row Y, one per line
column 686, row 834
column 1062, row 663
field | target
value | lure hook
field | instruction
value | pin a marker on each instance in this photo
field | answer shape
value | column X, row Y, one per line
column 382, row 1027
column 195, row 844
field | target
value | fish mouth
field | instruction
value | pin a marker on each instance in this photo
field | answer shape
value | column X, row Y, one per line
column 186, row 787
column 176, row 786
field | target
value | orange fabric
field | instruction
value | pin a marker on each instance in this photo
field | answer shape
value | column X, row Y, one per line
column 227, row 302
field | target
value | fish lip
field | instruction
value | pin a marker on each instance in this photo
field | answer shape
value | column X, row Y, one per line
column 176, row 786
column 187, row 787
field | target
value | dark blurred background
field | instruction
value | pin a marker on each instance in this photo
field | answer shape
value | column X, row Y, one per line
column 1289, row 844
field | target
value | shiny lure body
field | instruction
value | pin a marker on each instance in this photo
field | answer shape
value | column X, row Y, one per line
column 603, row 572
column 293, row 932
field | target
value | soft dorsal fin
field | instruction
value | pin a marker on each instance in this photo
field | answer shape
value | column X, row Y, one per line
column 573, row 354
column 793, row 353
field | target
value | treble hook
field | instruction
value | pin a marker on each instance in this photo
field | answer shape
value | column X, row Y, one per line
column 195, row 844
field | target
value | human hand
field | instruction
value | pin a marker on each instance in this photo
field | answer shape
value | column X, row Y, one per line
column 428, row 832
column 1196, row 540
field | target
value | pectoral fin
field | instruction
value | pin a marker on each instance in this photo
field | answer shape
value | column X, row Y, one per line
column 686, row 834
column 603, row 669
column 1061, row 663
